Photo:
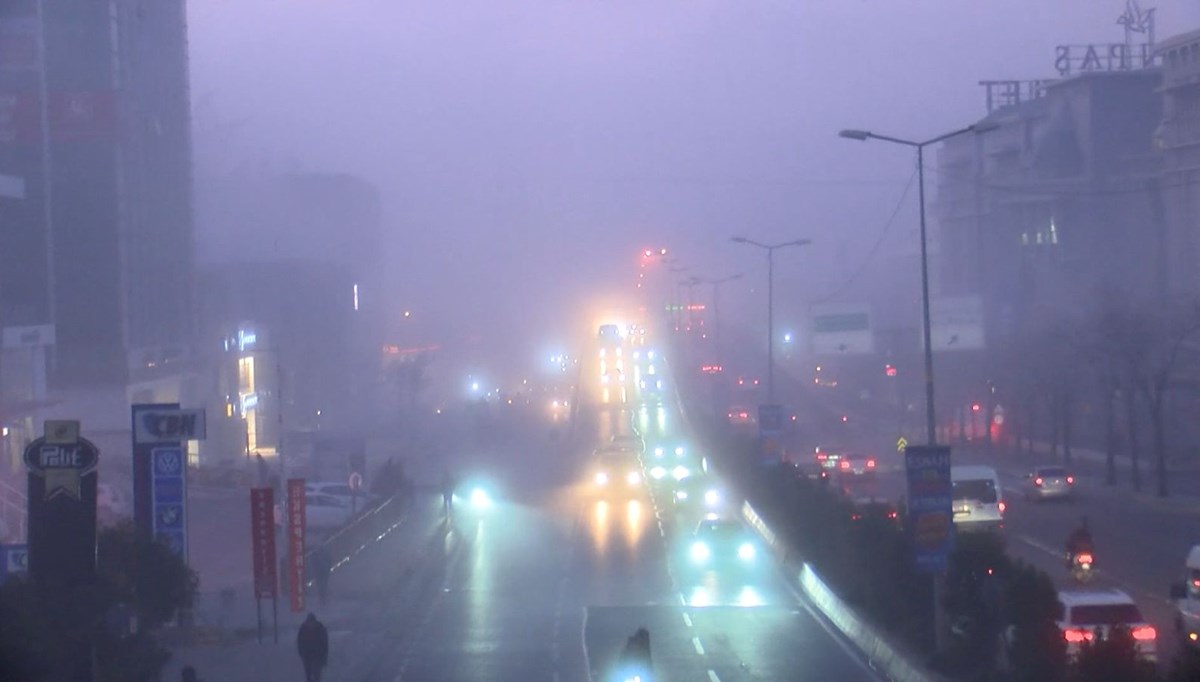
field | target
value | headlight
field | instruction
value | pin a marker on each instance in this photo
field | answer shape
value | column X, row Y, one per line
column 657, row 473
column 658, row 452
column 603, row 352
column 604, row 379
column 618, row 352
column 679, row 451
column 601, row 478
column 746, row 551
column 680, row 472
column 712, row 497
column 633, row 478
column 700, row 552
column 681, row 494
column 480, row 498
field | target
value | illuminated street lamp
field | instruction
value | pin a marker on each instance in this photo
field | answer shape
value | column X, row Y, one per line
column 770, row 249
column 863, row 135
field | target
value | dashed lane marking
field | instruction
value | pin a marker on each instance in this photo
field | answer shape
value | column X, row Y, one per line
column 699, row 647
column 687, row 620
column 712, row 676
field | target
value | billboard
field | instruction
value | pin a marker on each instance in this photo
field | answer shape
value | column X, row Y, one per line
column 841, row 329
column 168, row 489
column 930, row 514
column 295, row 534
column 956, row 323
column 262, row 529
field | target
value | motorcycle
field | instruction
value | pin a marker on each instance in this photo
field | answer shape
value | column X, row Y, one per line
column 1081, row 567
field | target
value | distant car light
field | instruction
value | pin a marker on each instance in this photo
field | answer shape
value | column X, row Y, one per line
column 746, row 551
column 1002, row 506
column 681, row 494
column 601, row 478
column 870, row 464
column 657, row 473
column 679, row 451
column 633, row 478
column 1070, row 480
column 658, row 452
column 712, row 497
column 679, row 472
column 700, row 552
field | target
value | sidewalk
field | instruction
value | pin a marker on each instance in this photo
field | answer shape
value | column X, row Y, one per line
column 224, row 647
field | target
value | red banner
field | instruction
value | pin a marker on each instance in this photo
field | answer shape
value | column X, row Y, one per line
column 295, row 531
column 262, row 528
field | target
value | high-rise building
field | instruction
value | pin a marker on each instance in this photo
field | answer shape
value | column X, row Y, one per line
column 94, row 122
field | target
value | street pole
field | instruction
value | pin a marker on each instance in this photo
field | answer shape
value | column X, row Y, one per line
column 940, row 626
column 771, row 326
column 770, row 249
column 930, row 420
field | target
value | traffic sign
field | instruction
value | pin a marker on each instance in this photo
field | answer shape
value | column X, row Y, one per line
column 155, row 424
column 901, row 444
column 356, row 481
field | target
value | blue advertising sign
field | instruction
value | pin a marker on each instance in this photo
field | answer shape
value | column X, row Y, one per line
column 770, row 432
column 168, row 485
column 14, row 560
column 930, row 510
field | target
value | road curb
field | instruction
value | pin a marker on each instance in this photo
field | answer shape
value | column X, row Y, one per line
column 879, row 652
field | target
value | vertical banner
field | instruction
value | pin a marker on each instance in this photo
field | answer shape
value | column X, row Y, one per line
column 930, row 491
column 262, row 529
column 168, row 465
column 770, row 433
column 144, row 439
column 295, row 533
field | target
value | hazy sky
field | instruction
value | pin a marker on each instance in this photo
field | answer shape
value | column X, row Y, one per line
column 527, row 149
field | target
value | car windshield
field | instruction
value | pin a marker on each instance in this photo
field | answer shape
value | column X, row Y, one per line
column 720, row 531
column 1052, row 472
column 1106, row 614
column 977, row 490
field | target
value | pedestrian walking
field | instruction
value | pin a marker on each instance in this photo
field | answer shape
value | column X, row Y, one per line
column 313, row 644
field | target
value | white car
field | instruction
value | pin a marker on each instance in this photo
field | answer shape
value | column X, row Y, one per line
column 356, row 499
column 326, row 512
column 1088, row 615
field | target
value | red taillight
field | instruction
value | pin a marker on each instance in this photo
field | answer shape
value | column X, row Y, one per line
column 1144, row 633
column 822, row 457
column 1196, row 584
column 1084, row 558
column 1038, row 481
column 891, row 515
column 845, row 465
column 870, row 464
column 1002, row 506
column 1076, row 636
column 1070, row 480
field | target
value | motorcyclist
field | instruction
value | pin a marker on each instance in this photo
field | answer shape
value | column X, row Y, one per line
column 1079, row 542
column 635, row 658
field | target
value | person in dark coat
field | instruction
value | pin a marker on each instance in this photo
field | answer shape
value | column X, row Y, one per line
column 313, row 643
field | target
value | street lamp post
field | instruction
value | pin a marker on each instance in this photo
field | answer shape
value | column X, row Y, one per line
column 716, row 283
column 770, row 249
column 863, row 135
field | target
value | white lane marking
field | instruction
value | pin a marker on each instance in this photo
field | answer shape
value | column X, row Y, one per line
column 699, row 647
column 1060, row 555
column 712, row 676
column 587, row 658
column 687, row 620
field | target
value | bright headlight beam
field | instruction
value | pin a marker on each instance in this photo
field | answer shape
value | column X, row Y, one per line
column 700, row 552
column 746, row 551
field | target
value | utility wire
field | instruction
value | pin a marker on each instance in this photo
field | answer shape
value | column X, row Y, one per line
column 875, row 248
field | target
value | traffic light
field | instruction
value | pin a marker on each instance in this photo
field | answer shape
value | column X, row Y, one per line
column 889, row 370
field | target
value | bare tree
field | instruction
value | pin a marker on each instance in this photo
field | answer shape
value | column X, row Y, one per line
column 1146, row 344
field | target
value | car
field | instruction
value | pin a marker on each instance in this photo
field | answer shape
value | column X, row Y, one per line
column 1088, row 615
column 651, row 383
column 874, row 508
column 356, row 499
column 615, row 475
column 1049, row 482
column 740, row 416
column 326, row 512
column 977, row 498
column 856, row 465
column 828, row 459
column 698, row 494
column 628, row 443
column 723, row 542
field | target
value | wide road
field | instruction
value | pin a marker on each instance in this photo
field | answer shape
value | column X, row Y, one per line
column 1141, row 541
column 548, row 583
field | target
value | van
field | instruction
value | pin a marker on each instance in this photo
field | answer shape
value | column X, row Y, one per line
column 977, row 499
column 1186, row 596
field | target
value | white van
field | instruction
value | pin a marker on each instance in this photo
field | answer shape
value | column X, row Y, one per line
column 978, row 500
